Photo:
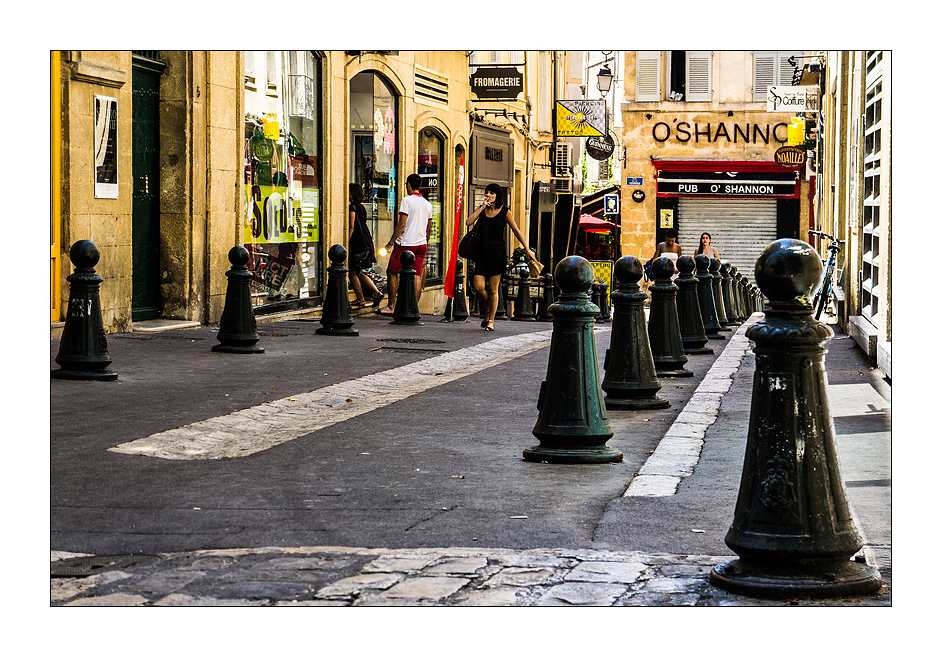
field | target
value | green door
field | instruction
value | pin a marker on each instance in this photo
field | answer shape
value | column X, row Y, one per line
column 145, row 219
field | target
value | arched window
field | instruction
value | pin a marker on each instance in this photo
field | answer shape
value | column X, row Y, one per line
column 374, row 126
column 431, row 165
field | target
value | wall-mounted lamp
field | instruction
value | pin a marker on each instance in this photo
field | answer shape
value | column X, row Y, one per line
column 605, row 78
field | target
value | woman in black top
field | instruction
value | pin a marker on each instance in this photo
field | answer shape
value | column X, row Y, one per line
column 489, row 266
column 361, row 255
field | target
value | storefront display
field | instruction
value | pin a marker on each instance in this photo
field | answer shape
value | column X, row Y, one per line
column 281, row 227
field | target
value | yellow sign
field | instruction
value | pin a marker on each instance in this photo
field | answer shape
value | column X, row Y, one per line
column 273, row 217
column 667, row 218
column 580, row 118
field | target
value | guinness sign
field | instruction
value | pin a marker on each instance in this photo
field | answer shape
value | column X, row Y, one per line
column 791, row 157
column 600, row 148
column 493, row 83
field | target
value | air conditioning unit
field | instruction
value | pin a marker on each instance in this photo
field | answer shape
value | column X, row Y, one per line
column 562, row 185
column 562, row 160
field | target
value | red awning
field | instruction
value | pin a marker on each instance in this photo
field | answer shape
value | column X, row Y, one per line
column 588, row 221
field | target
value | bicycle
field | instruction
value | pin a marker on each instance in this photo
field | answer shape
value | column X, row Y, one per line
column 825, row 291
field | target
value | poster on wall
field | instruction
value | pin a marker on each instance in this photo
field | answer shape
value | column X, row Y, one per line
column 106, row 147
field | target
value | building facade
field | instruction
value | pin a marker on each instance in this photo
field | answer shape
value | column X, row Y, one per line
column 698, row 153
column 853, row 197
column 168, row 159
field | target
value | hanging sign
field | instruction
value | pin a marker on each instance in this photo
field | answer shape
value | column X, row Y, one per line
column 792, row 99
column 611, row 204
column 600, row 148
column 493, row 83
column 791, row 157
column 580, row 118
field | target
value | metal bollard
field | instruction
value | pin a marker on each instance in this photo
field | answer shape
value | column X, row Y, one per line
column 572, row 426
column 793, row 529
column 83, row 348
column 707, row 304
column 469, row 290
column 335, row 316
column 237, row 332
column 737, row 295
column 630, row 381
column 523, row 304
column 692, row 334
column 460, row 306
column 721, row 318
column 605, row 308
column 546, row 299
column 667, row 346
column 407, row 304
column 727, row 281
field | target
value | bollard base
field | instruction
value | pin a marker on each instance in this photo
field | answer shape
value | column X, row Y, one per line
column 674, row 374
column 324, row 330
column 412, row 322
column 235, row 349
column 834, row 581
column 84, row 375
column 696, row 351
column 641, row 404
column 574, row 455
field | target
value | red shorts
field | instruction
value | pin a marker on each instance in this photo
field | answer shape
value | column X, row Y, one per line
column 419, row 251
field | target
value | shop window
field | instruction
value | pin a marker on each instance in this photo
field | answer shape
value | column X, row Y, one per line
column 431, row 147
column 282, row 223
column 374, row 128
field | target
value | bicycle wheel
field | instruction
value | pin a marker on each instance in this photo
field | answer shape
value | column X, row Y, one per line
column 823, row 295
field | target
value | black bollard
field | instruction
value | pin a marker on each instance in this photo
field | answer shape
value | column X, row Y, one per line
column 407, row 303
column 707, row 304
column 737, row 294
column 335, row 317
column 502, row 297
column 469, row 290
column 546, row 300
column 605, row 308
column 718, row 295
column 692, row 334
column 667, row 346
column 792, row 529
column 460, row 306
column 747, row 302
column 731, row 316
column 83, row 348
column 523, row 304
column 237, row 333
column 630, row 381
column 572, row 426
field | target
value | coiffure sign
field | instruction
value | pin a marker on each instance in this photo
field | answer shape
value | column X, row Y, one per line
column 792, row 99
column 497, row 83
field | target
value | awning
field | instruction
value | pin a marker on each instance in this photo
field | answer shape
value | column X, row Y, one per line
column 587, row 221
column 726, row 179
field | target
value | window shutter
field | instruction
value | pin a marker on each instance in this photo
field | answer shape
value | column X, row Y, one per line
column 763, row 75
column 699, row 65
column 648, row 81
column 786, row 71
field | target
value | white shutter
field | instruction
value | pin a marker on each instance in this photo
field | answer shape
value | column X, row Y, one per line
column 763, row 74
column 740, row 228
column 785, row 70
column 648, row 80
column 699, row 70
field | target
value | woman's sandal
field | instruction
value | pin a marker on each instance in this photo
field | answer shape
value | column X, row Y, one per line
column 379, row 297
column 358, row 304
column 488, row 326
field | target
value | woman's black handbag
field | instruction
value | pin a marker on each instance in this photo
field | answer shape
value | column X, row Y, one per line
column 470, row 245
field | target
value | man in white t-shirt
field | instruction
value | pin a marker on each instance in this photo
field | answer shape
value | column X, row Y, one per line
column 411, row 234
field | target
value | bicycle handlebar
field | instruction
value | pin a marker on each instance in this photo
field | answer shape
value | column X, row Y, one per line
column 822, row 234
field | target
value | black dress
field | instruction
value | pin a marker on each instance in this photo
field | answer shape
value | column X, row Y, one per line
column 361, row 254
column 494, row 260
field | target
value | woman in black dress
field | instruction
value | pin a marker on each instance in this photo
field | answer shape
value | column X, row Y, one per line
column 492, row 263
column 361, row 255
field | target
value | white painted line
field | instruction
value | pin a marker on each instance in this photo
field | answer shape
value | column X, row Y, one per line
column 679, row 451
column 262, row 427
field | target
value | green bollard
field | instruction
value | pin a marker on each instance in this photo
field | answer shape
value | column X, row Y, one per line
column 572, row 426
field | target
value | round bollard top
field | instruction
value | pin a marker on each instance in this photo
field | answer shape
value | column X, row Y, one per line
column 724, row 267
column 686, row 264
column 84, row 254
column 733, row 270
column 337, row 254
column 574, row 274
column 715, row 265
column 407, row 259
column 239, row 256
column 663, row 267
column 703, row 262
column 628, row 270
column 787, row 271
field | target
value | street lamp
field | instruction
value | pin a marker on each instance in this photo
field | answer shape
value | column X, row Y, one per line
column 605, row 77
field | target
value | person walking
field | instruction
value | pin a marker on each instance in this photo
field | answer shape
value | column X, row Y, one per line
column 669, row 248
column 706, row 247
column 410, row 234
column 361, row 253
column 492, row 263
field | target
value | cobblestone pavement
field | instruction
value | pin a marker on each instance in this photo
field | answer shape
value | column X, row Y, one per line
column 340, row 576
